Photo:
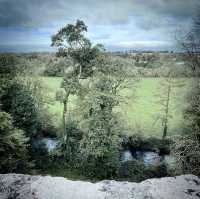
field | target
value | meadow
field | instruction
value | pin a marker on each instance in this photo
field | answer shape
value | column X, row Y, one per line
column 139, row 112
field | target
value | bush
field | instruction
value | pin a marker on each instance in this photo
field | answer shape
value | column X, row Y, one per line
column 68, row 149
column 132, row 170
column 136, row 171
column 187, row 151
column 40, row 155
column 102, row 167
column 13, row 146
column 22, row 105
column 57, row 67
column 138, row 142
column 156, row 171
column 54, row 70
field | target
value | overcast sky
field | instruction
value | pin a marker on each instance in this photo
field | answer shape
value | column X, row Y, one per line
column 27, row 25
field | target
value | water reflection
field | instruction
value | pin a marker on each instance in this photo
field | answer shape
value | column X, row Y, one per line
column 147, row 157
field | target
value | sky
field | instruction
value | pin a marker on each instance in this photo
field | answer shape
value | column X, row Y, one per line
column 27, row 25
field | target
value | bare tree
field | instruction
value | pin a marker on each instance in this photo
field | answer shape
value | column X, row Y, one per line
column 166, row 88
column 190, row 44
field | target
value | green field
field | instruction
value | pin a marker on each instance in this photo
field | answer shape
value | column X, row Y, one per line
column 140, row 108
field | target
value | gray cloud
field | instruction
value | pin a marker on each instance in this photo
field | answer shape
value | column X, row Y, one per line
column 126, row 23
column 37, row 12
column 40, row 12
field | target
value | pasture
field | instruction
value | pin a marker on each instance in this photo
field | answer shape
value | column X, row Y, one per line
column 139, row 111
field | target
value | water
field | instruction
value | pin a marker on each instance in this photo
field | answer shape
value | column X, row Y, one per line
column 147, row 157
column 126, row 156
column 150, row 158
column 50, row 143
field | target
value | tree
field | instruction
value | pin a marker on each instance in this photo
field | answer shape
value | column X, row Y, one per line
column 13, row 146
column 21, row 95
column 22, row 105
column 167, row 87
column 97, row 97
column 187, row 148
column 101, row 139
column 101, row 126
column 72, row 44
column 70, row 86
column 66, row 149
column 8, row 70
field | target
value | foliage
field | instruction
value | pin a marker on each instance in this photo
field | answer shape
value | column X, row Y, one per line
column 147, row 60
column 187, row 152
column 13, row 146
column 8, row 70
column 136, row 171
column 101, row 138
column 167, row 87
column 157, row 171
column 192, row 112
column 72, row 43
column 73, row 143
column 22, row 105
column 139, row 142
column 135, row 111
column 39, row 154
column 187, row 148
column 132, row 170
column 57, row 68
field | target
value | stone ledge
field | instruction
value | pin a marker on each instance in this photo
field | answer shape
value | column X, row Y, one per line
column 18, row 186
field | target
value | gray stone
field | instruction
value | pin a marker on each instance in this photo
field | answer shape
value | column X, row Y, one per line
column 18, row 186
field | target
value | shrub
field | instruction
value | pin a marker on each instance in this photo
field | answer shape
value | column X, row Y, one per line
column 187, row 151
column 132, row 170
column 138, row 142
column 69, row 151
column 156, row 171
column 136, row 171
column 101, row 167
column 13, row 146
column 39, row 155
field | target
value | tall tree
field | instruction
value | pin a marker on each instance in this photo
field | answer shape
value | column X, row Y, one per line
column 13, row 146
column 101, row 126
column 72, row 43
column 187, row 149
column 13, row 142
column 167, row 89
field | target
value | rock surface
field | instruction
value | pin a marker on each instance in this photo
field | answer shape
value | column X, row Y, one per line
column 17, row 186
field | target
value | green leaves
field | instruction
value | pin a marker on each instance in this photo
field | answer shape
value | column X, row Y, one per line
column 71, row 42
column 13, row 145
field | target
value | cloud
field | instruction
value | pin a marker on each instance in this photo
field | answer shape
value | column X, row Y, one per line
column 38, row 13
column 141, row 44
column 127, row 23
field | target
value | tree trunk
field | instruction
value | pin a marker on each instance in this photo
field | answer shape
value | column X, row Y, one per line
column 65, row 133
column 80, row 72
column 64, row 115
column 164, row 132
column 166, row 112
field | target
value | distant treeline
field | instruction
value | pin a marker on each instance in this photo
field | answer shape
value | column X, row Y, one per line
column 142, row 64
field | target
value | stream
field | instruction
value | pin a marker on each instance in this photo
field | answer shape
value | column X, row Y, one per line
column 147, row 157
column 49, row 143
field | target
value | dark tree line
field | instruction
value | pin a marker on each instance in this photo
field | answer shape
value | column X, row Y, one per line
column 188, row 147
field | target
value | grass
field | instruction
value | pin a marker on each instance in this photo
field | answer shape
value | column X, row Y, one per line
column 140, row 109
column 70, row 174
